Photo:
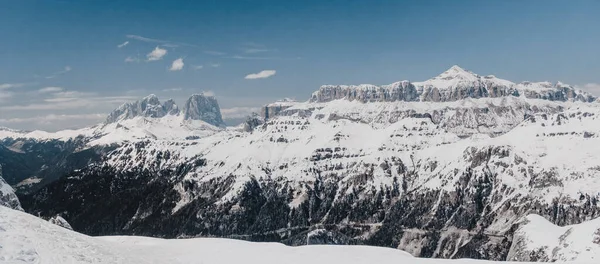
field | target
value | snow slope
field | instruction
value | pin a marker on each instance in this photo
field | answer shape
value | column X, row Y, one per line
column 7, row 195
column 539, row 240
column 28, row 239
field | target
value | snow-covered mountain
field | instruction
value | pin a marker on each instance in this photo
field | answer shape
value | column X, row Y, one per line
column 27, row 239
column 444, row 168
column 34, row 158
column 454, row 84
column 537, row 239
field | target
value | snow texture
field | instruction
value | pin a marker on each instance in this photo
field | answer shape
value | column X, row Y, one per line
column 28, row 239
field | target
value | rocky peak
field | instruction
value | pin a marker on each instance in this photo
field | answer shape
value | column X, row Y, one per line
column 203, row 107
column 149, row 106
column 456, row 72
column 170, row 107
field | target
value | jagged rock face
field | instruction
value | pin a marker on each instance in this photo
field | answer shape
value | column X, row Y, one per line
column 149, row 106
column 170, row 107
column 273, row 109
column 483, row 116
column 205, row 108
column 401, row 91
column 252, row 122
column 8, row 197
column 59, row 221
column 452, row 85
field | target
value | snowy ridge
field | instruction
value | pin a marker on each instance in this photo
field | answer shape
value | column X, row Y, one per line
column 8, row 197
column 27, row 239
column 147, row 118
column 454, row 84
column 537, row 239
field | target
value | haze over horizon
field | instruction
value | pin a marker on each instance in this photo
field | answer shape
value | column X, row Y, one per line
column 67, row 64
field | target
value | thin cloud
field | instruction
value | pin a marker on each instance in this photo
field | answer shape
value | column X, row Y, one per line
column 130, row 59
column 53, row 117
column 56, row 74
column 50, row 89
column 177, row 65
column 167, row 43
column 6, row 86
column 260, row 75
column 156, row 54
column 123, row 44
column 5, row 95
column 254, row 50
column 240, row 57
column 208, row 93
column 215, row 65
column 593, row 88
column 197, row 67
column 214, row 52
column 238, row 112
column 176, row 89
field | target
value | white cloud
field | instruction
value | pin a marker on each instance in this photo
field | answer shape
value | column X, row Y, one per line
column 166, row 43
column 238, row 57
column 593, row 88
column 197, row 67
column 260, row 75
column 215, row 65
column 5, row 86
column 238, row 112
column 177, row 65
column 175, row 89
column 208, row 93
column 54, row 75
column 53, row 117
column 123, row 44
column 50, row 89
column 132, row 59
column 70, row 100
column 156, row 54
column 254, row 50
column 5, row 95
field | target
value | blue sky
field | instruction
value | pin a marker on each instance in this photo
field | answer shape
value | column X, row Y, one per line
column 70, row 47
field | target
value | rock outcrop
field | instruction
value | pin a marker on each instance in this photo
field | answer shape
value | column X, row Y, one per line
column 8, row 197
column 452, row 85
column 203, row 107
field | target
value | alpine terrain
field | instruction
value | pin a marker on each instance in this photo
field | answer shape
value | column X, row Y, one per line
column 457, row 166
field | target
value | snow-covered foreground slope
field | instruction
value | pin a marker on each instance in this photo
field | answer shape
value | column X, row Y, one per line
column 28, row 239
column 539, row 240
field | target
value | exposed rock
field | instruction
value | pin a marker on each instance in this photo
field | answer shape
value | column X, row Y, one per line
column 452, row 85
column 59, row 221
column 205, row 108
column 8, row 197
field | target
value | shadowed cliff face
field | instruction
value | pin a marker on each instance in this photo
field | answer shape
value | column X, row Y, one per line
column 8, row 197
column 205, row 108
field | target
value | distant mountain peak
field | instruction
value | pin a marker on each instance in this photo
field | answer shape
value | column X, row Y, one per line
column 456, row 72
column 203, row 107
column 454, row 84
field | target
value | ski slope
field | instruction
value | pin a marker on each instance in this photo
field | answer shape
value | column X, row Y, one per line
column 27, row 239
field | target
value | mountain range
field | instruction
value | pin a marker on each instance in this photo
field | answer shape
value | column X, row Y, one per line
column 451, row 167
